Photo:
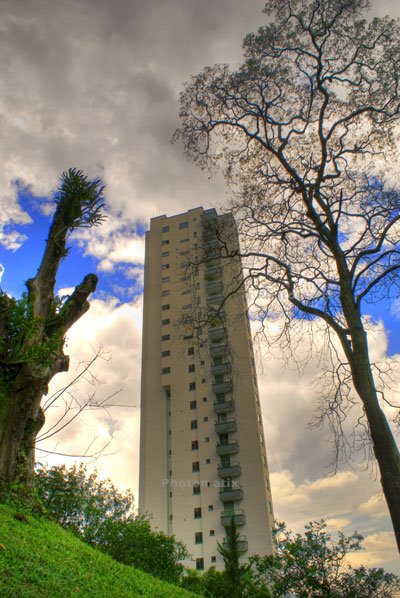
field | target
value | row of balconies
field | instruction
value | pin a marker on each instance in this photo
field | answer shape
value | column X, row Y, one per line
column 231, row 492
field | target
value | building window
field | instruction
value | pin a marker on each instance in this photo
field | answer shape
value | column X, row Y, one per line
column 208, row 461
column 165, row 307
column 201, row 362
column 207, row 439
column 193, row 404
column 186, row 292
column 165, row 293
column 185, row 252
column 164, row 266
column 193, row 424
column 210, row 507
column 195, row 466
column 191, row 351
column 196, row 489
column 212, row 532
column 183, row 225
column 195, row 445
column 205, row 419
column 184, row 240
column 166, row 370
column 187, row 306
column 204, row 399
column 165, row 353
column 192, row 385
column 165, row 322
column 165, row 242
column 165, row 337
column 165, row 254
column 200, row 564
column 165, row 279
column 198, row 538
column 191, row 368
column 213, row 559
column 165, row 229
column 197, row 512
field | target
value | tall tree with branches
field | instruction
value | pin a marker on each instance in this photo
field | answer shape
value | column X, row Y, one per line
column 304, row 131
column 33, row 329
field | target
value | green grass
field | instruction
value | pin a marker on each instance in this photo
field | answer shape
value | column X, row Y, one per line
column 40, row 559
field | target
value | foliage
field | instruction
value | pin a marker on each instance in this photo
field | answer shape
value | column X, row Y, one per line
column 102, row 516
column 314, row 566
column 86, row 200
column 38, row 559
column 305, row 133
column 133, row 542
column 81, row 502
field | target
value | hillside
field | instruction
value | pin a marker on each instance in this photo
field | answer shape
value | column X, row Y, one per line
column 40, row 559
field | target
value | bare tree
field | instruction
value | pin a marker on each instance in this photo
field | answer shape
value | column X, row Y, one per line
column 32, row 330
column 68, row 403
column 304, row 131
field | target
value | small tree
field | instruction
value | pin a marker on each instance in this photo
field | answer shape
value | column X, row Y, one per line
column 237, row 580
column 229, row 551
column 101, row 515
column 81, row 502
column 314, row 566
column 304, row 131
column 33, row 329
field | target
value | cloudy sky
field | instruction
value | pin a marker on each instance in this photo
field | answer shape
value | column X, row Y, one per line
column 95, row 84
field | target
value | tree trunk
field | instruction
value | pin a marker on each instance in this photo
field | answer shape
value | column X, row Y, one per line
column 383, row 442
column 22, row 420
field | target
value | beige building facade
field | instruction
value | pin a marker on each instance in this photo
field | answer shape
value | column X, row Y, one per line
column 202, row 451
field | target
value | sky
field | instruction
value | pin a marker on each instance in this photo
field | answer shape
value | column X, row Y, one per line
column 95, row 85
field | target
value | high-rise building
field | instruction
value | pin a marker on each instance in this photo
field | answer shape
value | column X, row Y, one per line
column 202, row 451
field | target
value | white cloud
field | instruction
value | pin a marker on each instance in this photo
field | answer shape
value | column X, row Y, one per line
column 375, row 506
column 378, row 550
column 340, row 480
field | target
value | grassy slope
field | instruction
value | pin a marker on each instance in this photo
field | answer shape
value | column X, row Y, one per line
column 40, row 559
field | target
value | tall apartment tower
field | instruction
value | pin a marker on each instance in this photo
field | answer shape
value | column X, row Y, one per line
column 202, row 450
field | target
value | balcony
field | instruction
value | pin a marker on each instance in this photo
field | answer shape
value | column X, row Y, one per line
column 213, row 273
column 214, row 287
column 222, row 387
column 221, row 368
column 219, row 349
column 217, row 334
column 226, row 406
column 226, row 427
column 211, row 242
column 239, row 517
column 215, row 301
column 229, row 471
column 227, row 448
column 242, row 544
column 231, row 494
